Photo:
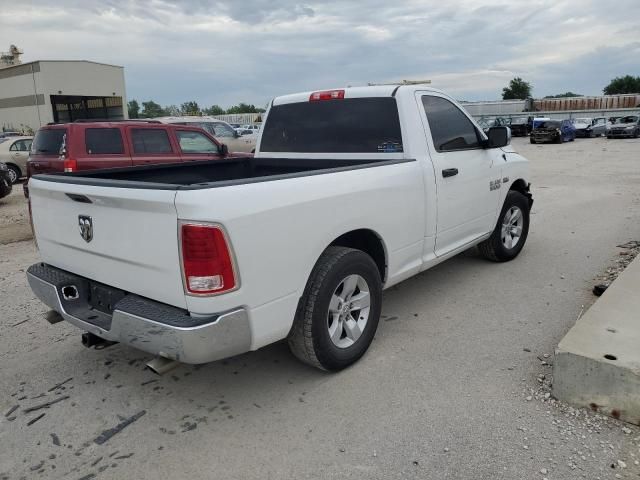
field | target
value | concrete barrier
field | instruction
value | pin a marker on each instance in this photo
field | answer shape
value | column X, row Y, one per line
column 597, row 364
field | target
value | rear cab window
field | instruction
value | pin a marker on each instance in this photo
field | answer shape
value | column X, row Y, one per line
column 349, row 125
column 104, row 141
column 48, row 141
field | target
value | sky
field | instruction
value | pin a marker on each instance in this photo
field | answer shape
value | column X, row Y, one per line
column 229, row 51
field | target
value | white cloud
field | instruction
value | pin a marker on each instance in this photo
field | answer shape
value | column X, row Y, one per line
column 226, row 51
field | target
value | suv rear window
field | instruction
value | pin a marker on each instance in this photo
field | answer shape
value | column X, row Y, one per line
column 150, row 140
column 352, row 125
column 103, row 141
column 48, row 141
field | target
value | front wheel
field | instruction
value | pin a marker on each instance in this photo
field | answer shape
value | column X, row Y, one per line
column 339, row 311
column 510, row 234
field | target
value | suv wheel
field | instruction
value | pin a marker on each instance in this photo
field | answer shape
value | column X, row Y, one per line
column 510, row 234
column 339, row 311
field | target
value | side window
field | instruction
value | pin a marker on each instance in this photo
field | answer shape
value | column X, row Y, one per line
column 150, row 140
column 221, row 130
column 21, row 146
column 103, row 141
column 195, row 142
column 450, row 128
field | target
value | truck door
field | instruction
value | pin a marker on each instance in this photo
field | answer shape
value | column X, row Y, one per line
column 468, row 179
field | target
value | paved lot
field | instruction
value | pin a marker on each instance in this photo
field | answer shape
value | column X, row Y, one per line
column 453, row 387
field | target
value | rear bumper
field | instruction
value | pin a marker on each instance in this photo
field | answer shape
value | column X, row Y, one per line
column 144, row 324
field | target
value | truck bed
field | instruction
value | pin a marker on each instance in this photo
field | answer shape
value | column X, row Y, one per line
column 209, row 174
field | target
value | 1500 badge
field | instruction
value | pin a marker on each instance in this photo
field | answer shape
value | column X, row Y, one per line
column 494, row 184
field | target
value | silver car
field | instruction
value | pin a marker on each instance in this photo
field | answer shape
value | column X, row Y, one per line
column 590, row 127
column 14, row 151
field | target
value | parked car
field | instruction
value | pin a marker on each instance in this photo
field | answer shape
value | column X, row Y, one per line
column 5, row 180
column 15, row 153
column 628, row 126
column 556, row 131
column 487, row 123
column 89, row 145
column 245, row 131
column 297, row 242
column 224, row 132
column 10, row 134
column 590, row 127
column 519, row 126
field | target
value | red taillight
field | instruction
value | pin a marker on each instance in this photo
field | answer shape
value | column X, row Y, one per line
column 206, row 260
column 70, row 165
column 327, row 95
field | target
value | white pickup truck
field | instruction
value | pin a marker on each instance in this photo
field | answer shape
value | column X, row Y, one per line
column 351, row 191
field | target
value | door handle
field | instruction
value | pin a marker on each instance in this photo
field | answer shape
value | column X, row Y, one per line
column 449, row 172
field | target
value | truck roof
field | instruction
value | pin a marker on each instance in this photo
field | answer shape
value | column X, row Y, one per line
column 355, row 92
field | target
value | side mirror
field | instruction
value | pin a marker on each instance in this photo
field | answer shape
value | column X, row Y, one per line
column 498, row 137
column 224, row 150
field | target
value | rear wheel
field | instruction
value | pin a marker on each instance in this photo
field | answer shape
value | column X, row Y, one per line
column 14, row 173
column 339, row 311
column 531, row 140
column 510, row 234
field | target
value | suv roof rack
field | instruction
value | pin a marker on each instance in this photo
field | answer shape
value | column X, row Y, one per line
column 401, row 82
column 113, row 120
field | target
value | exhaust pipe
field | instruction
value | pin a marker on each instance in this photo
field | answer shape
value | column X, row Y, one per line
column 161, row 365
column 90, row 340
column 70, row 292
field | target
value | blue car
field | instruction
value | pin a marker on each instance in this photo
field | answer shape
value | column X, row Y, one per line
column 556, row 131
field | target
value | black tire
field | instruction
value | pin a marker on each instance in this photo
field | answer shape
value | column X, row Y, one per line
column 636, row 134
column 15, row 173
column 531, row 140
column 493, row 247
column 309, row 338
column 609, row 137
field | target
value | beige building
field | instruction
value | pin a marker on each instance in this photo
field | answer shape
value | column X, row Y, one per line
column 36, row 93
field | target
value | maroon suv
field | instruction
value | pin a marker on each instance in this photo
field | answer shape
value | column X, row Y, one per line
column 88, row 145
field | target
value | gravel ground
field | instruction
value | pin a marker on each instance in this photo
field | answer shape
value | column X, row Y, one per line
column 455, row 385
column 14, row 217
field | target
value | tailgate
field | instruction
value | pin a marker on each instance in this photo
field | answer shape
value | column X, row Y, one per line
column 134, row 240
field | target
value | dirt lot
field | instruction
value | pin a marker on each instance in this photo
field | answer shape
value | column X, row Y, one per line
column 455, row 385
column 14, row 217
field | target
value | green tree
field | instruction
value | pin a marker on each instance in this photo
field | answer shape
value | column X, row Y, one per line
column 213, row 110
column 621, row 85
column 245, row 108
column 518, row 89
column 565, row 95
column 190, row 108
column 151, row 109
column 133, row 108
column 172, row 110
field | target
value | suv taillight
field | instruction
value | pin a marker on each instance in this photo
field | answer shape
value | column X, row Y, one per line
column 207, row 262
column 70, row 165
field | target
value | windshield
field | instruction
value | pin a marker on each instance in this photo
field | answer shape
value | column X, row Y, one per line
column 48, row 141
column 582, row 120
column 549, row 124
column 518, row 120
column 353, row 125
column 629, row 119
